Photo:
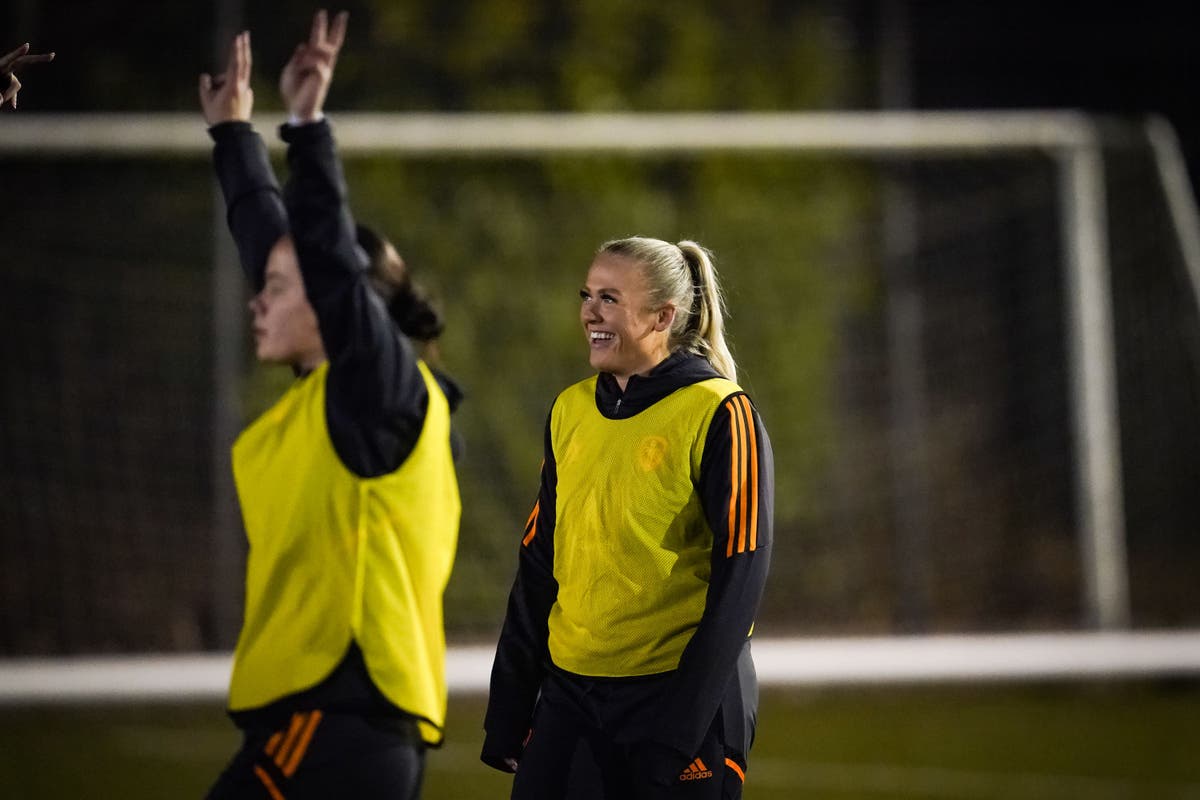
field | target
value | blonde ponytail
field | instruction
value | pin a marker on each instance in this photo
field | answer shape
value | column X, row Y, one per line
column 706, row 322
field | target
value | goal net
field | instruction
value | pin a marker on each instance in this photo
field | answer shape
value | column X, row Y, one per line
column 973, row 339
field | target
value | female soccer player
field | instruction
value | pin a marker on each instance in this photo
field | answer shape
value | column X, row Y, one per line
column 643, row 562
column 347, row 485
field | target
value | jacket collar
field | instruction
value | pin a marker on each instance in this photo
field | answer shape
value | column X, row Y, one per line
column 678, row 370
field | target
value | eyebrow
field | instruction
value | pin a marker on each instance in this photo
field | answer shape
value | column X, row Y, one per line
column 601, row 290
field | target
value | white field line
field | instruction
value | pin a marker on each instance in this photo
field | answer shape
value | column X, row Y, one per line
column 780, row 662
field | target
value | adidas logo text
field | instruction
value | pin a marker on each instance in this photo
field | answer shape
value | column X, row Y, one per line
column 696, row 771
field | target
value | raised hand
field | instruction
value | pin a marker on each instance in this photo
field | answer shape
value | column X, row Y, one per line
column 228, row 96
column 307, row 75
column 9, row 64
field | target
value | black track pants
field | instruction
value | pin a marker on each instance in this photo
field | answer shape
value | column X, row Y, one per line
column 586, row 745
column 325, row 755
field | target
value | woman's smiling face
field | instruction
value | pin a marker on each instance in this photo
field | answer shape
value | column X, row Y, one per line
column 625, row 335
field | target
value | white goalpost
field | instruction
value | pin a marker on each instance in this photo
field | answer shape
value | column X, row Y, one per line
column 1073, row 141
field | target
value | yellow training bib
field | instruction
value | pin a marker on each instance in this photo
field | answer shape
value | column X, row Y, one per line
column 632, row 548
column 335, row 557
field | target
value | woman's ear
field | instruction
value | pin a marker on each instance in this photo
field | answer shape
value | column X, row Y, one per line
column 665, row 317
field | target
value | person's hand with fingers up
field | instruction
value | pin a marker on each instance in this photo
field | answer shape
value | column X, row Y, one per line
column 9, row 64
column 307, row 75
column 228, row 97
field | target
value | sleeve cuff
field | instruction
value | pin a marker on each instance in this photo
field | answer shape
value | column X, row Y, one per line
column 496, row 749
column 295, row 122
column 225, row 130
column 304, row 130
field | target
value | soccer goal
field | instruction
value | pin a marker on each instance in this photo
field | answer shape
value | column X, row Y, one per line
column 974, row 338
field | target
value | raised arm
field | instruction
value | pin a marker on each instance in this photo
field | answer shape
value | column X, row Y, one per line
column 254, row 206
column 354, row 323
column 316, row 195
column 375, row 385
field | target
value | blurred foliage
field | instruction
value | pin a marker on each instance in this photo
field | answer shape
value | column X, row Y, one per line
column 446, row 55
column 504, row 244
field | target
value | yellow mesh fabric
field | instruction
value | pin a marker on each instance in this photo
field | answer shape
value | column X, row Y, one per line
column 632, row 549
column 335, row 556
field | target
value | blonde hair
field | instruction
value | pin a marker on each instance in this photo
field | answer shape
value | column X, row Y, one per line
column 683, row 274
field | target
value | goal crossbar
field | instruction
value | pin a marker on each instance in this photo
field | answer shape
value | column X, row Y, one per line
column 540, row 133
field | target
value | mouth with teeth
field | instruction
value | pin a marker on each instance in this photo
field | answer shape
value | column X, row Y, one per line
column 600, row 338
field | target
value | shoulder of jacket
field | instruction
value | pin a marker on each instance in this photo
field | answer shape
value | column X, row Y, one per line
column 718, row 388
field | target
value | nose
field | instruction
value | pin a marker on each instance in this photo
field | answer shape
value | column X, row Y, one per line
column 255, row 305
column 590, row 310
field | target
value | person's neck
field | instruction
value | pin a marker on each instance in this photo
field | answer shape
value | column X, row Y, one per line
column 306, row 364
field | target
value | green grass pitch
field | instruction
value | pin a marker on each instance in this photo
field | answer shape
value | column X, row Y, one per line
column 1129, row 740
